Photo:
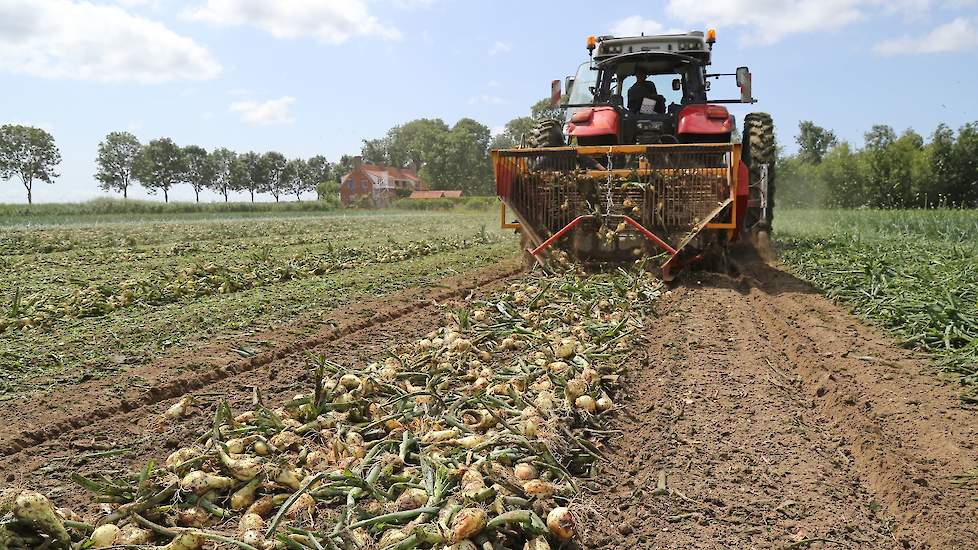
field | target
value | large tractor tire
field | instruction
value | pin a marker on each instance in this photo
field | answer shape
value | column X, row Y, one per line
column 546, row 133
column 759, row 153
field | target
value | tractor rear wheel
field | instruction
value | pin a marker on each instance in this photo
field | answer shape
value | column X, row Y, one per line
column 546, row 133
column 759, row 153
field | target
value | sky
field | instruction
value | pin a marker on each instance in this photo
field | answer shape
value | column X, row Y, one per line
column 307, row 77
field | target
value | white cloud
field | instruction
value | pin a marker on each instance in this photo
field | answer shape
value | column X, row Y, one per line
column 636, row 25
column 66, row 39
column 486, row 99
column 769, row 21
column 273, row 111
column 331, row 21
column 960, row 34
column 500, row 47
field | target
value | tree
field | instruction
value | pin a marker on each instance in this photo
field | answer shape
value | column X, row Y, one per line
column 544, row 109
column 30, row 154
column 243, row 170
column 159, row 166
column 221, row 162
column 342, row 168
column 813, row 142
column 198, row 172
column 270, row 174
column 116, row 159
column 297, row 178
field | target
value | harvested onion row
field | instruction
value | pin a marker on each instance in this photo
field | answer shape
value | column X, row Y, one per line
column 470, row 437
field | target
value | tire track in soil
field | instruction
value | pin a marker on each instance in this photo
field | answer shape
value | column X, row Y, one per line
column 770, row 434
column 34, row 420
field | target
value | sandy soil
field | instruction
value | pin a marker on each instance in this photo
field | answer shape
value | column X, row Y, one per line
column 763, row 416
column 758, row 415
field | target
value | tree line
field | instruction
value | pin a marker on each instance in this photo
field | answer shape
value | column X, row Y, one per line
column 30, row 155
column 161, row 164
column 888, row 171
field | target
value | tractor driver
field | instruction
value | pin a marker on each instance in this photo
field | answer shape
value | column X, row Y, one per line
column 642, row 90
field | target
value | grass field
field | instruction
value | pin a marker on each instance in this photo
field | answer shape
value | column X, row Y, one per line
column 914, row 272
column 107, row 295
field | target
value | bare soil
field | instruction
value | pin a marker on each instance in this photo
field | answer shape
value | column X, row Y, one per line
column 759, row 415
column 764, row 416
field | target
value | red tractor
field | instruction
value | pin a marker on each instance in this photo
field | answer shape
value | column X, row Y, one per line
column 642, row 162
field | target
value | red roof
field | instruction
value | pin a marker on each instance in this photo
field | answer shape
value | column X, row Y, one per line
column 394, row 173
column 436, row 194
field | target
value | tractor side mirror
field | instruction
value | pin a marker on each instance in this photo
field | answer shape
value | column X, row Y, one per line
column 677, row 84
column 555, row 93
column 744, row 82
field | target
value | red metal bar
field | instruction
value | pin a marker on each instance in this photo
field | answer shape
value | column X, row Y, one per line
column 650, row 236
column 546, row 244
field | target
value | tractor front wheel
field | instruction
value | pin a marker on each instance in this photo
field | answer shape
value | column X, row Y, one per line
column 546, row 133
column 759, row 153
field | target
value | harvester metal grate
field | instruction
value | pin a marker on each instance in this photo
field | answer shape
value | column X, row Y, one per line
column 668, row 189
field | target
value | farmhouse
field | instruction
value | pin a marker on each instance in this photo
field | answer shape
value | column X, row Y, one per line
column 378, row 184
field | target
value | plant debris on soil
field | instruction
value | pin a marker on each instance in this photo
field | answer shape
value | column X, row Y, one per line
column 471, row 436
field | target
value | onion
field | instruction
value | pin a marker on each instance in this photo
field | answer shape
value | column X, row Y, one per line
column 467, row 522
column 586, row 403
column 561, row 523
column 104, row 535
column 539, row 488
column 250, row 521
column 566, row 349
column 350, row 381
column 245, row 496
column 604, row 403
column 558, row 367
column 131, row 534
column 464, row 545
column 539, row 543
column 35, row 508
column 194, row 517
column 525, row 472
column 305, row 504
column 188, row 540
column 411, row 499
column 574, row 389
column 179, row 408
column 180, row 456
column 199, row 482
column 470, row 441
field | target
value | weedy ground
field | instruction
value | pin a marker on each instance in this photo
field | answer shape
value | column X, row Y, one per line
column 913, row 272
column 82, row 299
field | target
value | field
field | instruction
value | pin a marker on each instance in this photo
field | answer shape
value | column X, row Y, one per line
column 396, row 376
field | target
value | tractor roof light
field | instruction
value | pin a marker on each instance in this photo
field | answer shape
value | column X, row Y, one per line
column 711, row 36
column 592, row 43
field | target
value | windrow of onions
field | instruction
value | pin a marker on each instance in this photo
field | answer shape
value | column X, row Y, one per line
column 473, row 437
column 260, row 269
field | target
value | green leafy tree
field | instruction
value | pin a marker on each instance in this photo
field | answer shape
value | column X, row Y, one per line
column 342, row 168
column 813, row 141
column 270, row 172
column 159, row 166
column 297, row 179
column 116, row 159
column 543, row 109
column 28, row 153
column 243, row 170
column 221, row 163
column 199, row 172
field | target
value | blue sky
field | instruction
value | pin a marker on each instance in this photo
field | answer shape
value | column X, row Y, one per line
column 309, row 77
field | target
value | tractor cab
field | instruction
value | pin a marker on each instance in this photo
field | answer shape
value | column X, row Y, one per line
column 601, row 101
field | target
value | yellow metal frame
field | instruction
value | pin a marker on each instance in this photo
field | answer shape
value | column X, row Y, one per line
column 502, row 218
column 735, row 151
